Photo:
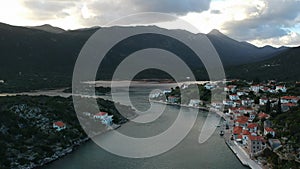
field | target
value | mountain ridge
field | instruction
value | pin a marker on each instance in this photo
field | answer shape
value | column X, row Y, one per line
column 27, row 53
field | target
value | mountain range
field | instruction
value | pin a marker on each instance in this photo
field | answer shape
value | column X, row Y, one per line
column 47, row 53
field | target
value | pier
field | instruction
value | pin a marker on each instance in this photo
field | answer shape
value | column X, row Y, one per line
column 242, row 155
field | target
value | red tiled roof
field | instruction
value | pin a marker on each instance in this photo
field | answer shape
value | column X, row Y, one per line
column 101, row 114
column 242, row 108
column 289, row 104
column 256, row 138
column 59, row 124
column 252, row 125
column 263, row 115
column 240, row 137
column 290, row 97
column 231, row 86
column 246, row 132
column 263, row 98
column 268, row 129
column 233, row 108
column 242, row 119
column 237, row 130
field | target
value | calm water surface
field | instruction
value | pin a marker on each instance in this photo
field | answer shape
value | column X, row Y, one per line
column 189, row 154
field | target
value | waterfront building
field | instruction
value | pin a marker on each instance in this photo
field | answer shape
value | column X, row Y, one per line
column 59, row 125
column 256, row 144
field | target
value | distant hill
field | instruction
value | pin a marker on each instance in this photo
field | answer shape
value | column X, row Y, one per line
column 48, row 28
column 233, row 52
column 44, row 56
column 284, row 66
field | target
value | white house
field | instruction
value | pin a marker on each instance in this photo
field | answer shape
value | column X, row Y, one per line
column 281, row 88
column 255, row 88
column 245, row 136
column 240, row 93
column 252, row 127
column 263, row 101
column 104, row 117
column 209, row 86
column 195, row 102
column 247, row 102
column 59, row 125
column 230, row 88
column 252, row 117
column 228, row 102
column 289, row 99
column 269, row 130
column 234, row 97
column 166, row 91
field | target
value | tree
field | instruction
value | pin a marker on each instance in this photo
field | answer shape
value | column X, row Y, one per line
column 268, row 106
column 279, row 106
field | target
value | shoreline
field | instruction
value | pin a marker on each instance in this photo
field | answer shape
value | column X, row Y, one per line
column 236, row 149
column 63, row 153
column 242, row 156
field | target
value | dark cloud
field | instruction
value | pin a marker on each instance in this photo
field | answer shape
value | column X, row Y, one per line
column 179, row 7
column 270, row 22
column 106, row 11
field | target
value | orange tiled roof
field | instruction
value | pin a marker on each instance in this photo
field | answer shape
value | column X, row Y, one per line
column 268, row 129
column 237, row 130
column 59, row 124
column 252, row 125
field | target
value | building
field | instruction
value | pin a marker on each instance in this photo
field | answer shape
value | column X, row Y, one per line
column 289, row 99
column 241, row 93
column 173, row 99
column 228, row 102
column 230, row 88
column 281, row 88
column 252, row 117
column 245, row 136
column 275, row 144
column 255, row 88
column 256, row 144
column 209, row 86
column 263, row 101
column 104, row 117
column 237, row 130
column 252, row 127
column 247, row 102
column 59, row 125
column 100, row 115
column 242, row 121
column 263, row 115
column 269, row 130
column 234, row 97
column 195, row 102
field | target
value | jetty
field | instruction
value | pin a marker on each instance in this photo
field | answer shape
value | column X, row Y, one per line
column 242, row 155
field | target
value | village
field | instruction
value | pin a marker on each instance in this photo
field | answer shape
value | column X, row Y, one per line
column 252, row 126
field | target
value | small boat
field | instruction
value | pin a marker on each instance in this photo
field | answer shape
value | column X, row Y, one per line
column 221, row 133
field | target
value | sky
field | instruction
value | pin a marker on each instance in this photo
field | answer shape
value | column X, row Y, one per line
column 260, row 22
